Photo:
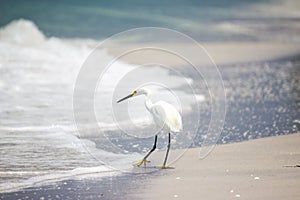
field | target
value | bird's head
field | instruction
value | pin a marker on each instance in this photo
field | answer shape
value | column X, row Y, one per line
column 136, row 92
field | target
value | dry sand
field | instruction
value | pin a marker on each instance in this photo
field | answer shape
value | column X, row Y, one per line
column 257, row 169
column 222, row 53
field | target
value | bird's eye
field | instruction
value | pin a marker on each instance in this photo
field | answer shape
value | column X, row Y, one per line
column 134, row 92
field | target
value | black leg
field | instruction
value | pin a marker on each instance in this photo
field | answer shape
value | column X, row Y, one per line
column 153, row 148
column 168, row 149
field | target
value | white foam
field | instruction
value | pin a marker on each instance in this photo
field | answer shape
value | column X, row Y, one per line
column 102, row 163
column 35, row 128
column 30, row 34
column 55, row 176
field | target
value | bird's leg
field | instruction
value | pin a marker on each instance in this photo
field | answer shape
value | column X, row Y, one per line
column 144, row 160
column 167, row 153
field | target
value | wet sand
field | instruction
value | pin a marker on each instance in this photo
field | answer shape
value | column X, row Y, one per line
column 258, row 169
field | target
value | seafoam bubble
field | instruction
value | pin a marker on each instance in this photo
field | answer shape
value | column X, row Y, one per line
column 11, row 33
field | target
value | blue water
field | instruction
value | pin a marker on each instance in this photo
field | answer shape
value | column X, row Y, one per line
column 213, row 20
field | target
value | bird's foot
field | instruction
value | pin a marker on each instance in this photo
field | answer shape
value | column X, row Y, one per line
column 162, row 167
column 141, row 162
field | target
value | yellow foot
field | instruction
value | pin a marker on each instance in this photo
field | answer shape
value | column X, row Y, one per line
column 141, row 162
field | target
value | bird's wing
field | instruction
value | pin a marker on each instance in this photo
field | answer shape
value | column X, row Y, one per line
column 166, row 116
column 159, row 115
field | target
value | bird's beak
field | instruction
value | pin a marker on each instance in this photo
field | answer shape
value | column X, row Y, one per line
column 127, row 97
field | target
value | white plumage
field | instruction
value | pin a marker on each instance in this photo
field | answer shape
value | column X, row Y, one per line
column 164, row 115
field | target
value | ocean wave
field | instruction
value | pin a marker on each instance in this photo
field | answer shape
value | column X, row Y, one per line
column 30, row 34
column 39, row 75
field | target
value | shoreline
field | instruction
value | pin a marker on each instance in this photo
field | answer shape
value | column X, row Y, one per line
column 264, row 168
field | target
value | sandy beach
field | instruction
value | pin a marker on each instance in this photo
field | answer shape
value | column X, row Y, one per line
column 222, row 53
column 258, row 169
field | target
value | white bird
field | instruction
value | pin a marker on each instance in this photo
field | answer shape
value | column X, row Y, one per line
column 165, row 117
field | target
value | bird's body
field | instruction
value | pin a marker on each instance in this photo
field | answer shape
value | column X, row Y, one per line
column 165, row 116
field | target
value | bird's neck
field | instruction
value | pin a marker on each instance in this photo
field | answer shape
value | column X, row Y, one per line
column 148, row 103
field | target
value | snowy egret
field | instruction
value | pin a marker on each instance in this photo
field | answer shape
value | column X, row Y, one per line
column 165, row 117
